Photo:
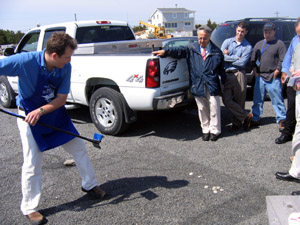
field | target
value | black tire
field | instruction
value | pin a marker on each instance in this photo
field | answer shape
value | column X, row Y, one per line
column 7, row 95
column 107, row 112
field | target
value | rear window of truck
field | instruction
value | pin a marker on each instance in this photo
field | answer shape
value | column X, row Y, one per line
column 104, row 33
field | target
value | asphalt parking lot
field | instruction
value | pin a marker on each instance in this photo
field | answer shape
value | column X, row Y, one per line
column 158, row 172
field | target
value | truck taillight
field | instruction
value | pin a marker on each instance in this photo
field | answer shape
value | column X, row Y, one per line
column 153, row 73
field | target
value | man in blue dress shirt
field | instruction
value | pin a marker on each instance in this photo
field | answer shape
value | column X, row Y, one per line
column 237, row 52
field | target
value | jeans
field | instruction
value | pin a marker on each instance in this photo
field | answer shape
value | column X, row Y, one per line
column 273, row 87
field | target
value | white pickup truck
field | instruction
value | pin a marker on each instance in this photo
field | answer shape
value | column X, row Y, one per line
column 112, row 73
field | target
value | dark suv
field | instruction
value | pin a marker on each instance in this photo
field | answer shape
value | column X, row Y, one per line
column 285, row 31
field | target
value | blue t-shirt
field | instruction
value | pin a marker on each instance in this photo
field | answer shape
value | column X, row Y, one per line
column 28, row 66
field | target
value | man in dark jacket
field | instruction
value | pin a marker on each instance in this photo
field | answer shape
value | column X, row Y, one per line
column 205, row 61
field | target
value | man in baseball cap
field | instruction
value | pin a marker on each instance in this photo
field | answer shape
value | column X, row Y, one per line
column 266, row 59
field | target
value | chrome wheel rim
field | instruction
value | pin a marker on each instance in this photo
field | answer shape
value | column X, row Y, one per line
column 105, row 112
column 3, row 93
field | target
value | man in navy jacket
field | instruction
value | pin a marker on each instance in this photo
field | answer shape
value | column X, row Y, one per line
column 207, row 76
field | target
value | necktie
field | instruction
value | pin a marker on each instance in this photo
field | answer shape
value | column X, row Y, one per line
column 203, row 53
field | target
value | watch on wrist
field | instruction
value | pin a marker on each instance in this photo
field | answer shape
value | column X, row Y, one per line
column 42, row 111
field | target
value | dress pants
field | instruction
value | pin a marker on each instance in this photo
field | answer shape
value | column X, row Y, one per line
column 290, row 122
column 209, row 113
column 32, row 167
column 234, row 96
column 295, row 168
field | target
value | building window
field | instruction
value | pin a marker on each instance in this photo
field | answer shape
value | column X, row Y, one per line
column 157, row 16
column 170, row 25
column 174, row 15
column 186, row 15
column 187, row 24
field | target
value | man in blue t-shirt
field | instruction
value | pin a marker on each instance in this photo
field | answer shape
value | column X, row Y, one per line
column 43, row 85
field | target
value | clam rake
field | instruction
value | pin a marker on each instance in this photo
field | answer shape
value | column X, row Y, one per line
column 97, row 137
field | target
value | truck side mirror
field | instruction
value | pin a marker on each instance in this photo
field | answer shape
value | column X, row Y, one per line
column 9, row 51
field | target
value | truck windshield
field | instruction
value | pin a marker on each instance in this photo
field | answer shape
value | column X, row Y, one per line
column 103, row 33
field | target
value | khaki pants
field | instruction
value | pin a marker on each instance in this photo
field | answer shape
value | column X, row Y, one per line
column 295, row 168
column 234, row 95
column 209, row 113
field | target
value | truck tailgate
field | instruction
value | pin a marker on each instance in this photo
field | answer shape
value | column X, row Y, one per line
column 174, row 75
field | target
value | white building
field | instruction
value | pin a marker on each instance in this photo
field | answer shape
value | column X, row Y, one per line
column 178, row 21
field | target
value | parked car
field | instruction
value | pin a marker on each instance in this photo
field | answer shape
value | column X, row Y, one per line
column 179, row 41
column 285, row 31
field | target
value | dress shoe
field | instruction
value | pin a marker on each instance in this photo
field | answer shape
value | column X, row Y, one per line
column 283, row 139
column 295, row 193
column 254, row 123
column 281, row 125
column 286, row 177
column 95, row 192
column 234, row 128
column 205, row 137
column 36, row 218
column 246, row 123
column 214, row 137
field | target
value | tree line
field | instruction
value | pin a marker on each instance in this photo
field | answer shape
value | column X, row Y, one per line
column 10, row 37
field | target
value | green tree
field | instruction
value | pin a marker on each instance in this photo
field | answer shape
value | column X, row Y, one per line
column 209, row 24
column 139, row 28
column 10, row 37
column 18, row 36
column 3, row 39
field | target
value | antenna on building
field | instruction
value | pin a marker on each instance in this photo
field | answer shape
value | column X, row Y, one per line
column 277, row 13
column 75, row 16
column 176, row 5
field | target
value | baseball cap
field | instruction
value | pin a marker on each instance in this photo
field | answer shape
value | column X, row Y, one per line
column 269, row 26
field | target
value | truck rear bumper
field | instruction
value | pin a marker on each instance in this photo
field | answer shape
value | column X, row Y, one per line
column 170, row 101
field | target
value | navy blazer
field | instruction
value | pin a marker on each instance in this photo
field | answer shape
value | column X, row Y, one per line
column 203, row 74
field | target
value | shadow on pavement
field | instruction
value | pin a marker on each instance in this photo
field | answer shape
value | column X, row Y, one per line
column 179, row 124
column 119, row 191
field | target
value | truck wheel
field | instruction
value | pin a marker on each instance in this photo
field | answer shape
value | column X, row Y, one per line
column 107, row 112
column 7, row 95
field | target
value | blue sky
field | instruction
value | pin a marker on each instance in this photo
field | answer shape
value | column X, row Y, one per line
column 25, row 14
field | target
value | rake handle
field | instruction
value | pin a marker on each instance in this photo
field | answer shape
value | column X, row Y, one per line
column 54, row 128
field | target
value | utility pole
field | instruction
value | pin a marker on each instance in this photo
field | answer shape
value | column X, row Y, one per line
column 277, row 13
